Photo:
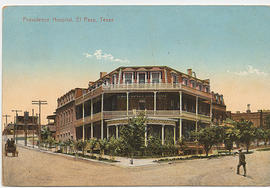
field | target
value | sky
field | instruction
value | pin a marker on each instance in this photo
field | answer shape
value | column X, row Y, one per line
column 44, row 60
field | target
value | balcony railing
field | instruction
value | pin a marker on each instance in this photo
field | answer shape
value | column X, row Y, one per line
column 144, row 86
column 141, row 87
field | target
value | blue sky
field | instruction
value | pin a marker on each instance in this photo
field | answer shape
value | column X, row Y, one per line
column 224, row 43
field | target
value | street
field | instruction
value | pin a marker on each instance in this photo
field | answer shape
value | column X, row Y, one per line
column 33, row 168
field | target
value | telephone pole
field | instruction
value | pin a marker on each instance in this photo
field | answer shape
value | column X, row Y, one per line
column 39, row 103
column 15, row 123
column 6, row 116
column 33, row 125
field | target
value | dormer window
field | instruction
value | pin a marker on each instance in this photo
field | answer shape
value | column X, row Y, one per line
column 175, row 78
column 155, row 77
column 128, row 78
column 193, row 84
column 185, row 81
column 221, row 99
column 114, row 79
column 207, row 89
column 142, row 78
column 200, row 87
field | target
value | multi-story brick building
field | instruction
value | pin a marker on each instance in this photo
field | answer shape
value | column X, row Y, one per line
column 219, row 109
column 175, row 103
column 257, row 118
column 65, row 114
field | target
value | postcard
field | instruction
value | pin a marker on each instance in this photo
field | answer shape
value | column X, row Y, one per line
column 125, row 95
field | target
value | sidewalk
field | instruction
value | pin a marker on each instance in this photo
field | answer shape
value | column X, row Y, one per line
column 121, row 161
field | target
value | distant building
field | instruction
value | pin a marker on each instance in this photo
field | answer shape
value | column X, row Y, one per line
column 175, row 104
column 30, row 125
column 257, row 118
column 65, row 115
column 51, row 124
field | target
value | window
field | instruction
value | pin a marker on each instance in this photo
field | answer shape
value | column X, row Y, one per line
column 155, row 77
column 141, row 78
column 185, row 81
column 128, row 78
column 207, row 89
column 200, row 87
column 114, row 79
column 193, row 84
column 175, row 78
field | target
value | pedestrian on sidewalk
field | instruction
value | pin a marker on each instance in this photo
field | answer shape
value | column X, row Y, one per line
column 242, row 162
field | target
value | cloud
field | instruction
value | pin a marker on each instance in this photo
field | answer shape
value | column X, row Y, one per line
column 102, row 56
column 250, row 71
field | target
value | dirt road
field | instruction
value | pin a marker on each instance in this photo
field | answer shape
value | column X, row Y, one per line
column 33, row 168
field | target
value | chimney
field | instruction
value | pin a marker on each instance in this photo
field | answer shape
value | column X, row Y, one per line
column 102, row 74
column 189, row 71
column 248, row 108
column 90, row 83
column 207, row 81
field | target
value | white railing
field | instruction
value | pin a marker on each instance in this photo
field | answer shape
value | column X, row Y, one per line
column 137, row 86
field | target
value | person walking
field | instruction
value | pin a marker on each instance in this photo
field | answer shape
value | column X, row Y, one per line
column 242, row 162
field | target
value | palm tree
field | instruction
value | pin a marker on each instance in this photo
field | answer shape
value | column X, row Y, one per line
column 102, row 146
column 92, row 144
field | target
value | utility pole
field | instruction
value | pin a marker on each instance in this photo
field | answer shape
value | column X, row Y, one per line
column 39, row 103
column 6, row 116
column 26, row 118
column 33, row 119
column 14, row 128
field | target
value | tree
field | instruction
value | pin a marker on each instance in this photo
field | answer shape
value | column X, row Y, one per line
column 181, row 142
column 267, row 122
column 102, row 146
column 267, row 136
column 45, row 133
column 50, row 141
column 231, row 135
column 112, row 147
column 154, row 145
column 247, row 132
column 80, row 144
column 92, row 143
column 208, row 137
column 259, row 134
column 133, row 134
column 68, row 145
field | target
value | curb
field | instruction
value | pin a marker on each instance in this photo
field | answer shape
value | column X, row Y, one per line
column 85, row 159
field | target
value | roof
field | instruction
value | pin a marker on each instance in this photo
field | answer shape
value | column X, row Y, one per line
column 141, row 68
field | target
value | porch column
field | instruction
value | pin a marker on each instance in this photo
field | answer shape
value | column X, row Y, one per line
column 180, row 102
column 117, row 134
column 174, row 135
column 180, row 128
column 197, row 105
column 102, row 96
column 162, row 133
column 107, row 132
column 92, row 110
column 145, row 135
column 83, row 136
column 155, row 102
column 92, row 130
column 127, row 103
column 211, row 111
